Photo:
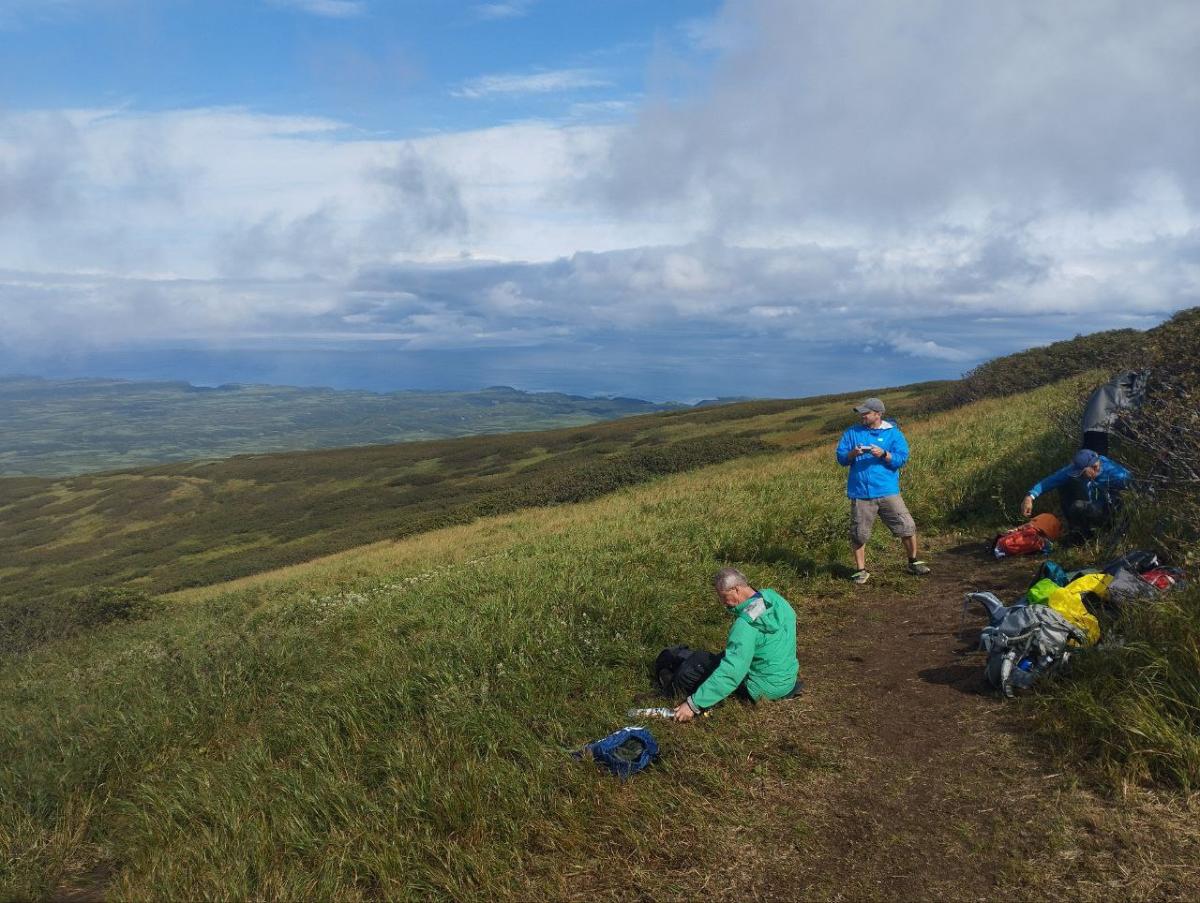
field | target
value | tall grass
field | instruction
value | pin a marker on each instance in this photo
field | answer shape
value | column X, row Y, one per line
column 1132, row 708
column 395, row 723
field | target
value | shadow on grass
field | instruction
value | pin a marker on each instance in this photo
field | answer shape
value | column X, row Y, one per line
column 782, row 556
column 975, row 549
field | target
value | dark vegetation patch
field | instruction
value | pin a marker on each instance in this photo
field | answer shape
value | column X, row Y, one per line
column 803, row 418
column 26, row 624
column 840, row 402
column 745, row 410
column 1027, row 370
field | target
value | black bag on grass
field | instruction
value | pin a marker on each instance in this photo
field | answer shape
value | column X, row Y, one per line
column 679, row 670
column 1139, row 561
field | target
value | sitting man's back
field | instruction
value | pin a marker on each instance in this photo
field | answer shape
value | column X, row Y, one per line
column 760, row 654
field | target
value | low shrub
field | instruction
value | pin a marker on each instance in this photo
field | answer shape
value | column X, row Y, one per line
column 28, row 623
column 1132, row 707
column 106, row 605
column 1026, row 370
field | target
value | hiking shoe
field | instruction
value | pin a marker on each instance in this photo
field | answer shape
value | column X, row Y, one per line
column 860, row 577
column 919, row 567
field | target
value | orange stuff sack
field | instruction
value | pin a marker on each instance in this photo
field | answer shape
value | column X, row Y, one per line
column 1050, row 525
column 1023, row 540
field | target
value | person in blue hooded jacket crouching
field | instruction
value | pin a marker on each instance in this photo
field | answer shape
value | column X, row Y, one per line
column 875, row 450
column 1089, row 489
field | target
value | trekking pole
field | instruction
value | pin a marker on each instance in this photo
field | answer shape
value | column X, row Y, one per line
column 659, row 712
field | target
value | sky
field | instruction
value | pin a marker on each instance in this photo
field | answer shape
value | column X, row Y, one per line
column 677, row 199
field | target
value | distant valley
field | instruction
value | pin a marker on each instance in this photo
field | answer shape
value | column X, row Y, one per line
column 69, row 427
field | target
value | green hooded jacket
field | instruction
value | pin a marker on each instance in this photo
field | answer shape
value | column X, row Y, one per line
column 761, row 650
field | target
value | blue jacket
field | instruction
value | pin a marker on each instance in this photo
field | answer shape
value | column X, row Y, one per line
column 1112, row 478
column 870, row 477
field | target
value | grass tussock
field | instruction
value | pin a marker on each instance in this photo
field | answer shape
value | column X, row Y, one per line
column 385, row 724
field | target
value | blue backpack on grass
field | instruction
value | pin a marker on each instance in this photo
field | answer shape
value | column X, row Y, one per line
column 624, row 752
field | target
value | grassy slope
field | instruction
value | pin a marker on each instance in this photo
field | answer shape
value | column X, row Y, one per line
column 392, row 721
column 76, row 426
column 184, row 525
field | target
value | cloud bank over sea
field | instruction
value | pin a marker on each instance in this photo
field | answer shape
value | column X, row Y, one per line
column 924, row 184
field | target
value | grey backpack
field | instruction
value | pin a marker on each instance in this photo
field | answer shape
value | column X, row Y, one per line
column 1027, row 642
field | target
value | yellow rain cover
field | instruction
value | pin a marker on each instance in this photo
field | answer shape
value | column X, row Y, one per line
column 1068, row 602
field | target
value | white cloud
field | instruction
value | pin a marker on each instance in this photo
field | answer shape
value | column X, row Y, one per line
column 923, row 178
column 886, row 113
column 514, row 9
column 926, row 348
column 551, row 81
column 330, row 9
column 227, row 192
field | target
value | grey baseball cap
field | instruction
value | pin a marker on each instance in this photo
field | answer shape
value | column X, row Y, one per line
column 871, row 404
column 1084, row 458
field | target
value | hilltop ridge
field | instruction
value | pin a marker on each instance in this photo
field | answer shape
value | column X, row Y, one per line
column 393, row 721
column 168, row 527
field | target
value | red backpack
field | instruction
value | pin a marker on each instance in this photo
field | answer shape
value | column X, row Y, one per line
column 1163, row 578
column 1026, row 539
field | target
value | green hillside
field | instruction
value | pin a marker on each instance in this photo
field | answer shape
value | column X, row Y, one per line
column 165, row 528
column 392, row 722
column 62, row 427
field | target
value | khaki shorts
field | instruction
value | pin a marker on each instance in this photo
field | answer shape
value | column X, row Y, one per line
column 890, row 508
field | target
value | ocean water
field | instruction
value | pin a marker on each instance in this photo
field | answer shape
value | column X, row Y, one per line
column 701, row 369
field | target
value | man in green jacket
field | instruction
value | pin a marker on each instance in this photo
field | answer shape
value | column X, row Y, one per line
column 760, row 654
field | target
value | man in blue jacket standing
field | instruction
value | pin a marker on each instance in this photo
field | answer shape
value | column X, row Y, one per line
column 1089, row 489
column 875, row 450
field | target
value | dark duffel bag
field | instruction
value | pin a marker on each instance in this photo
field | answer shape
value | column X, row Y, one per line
column 1139, row 561
column 679, row 670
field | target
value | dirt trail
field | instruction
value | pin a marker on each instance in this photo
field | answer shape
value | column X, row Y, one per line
column 944, row 794
column 922, row 810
